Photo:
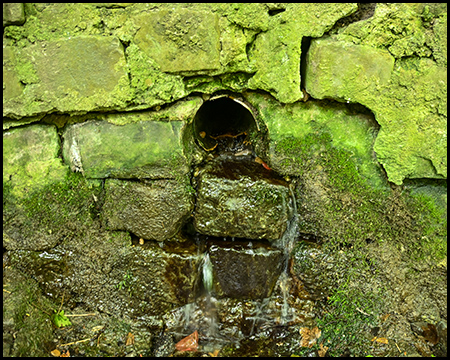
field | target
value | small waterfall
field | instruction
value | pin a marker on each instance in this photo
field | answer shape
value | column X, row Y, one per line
column 287, row 243
column 207, row 272
column 210, row 301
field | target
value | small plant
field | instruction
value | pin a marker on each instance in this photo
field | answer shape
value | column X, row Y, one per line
column 125, row 283
column 59, row 319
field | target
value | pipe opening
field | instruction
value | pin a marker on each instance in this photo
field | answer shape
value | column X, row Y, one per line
column 224, row 124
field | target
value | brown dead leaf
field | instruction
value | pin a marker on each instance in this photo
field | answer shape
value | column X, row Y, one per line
column 309, row 336
column 323, row 350
column 130, row 339
column 384, row 317
column 55, row 353
column 189, row 343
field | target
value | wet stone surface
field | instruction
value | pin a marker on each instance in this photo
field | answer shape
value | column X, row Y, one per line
column 238, row 197
column 245, row 271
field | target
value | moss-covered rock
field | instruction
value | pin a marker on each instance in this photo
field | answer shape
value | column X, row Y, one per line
column 410, row 115
column 91, row 75
column 30, row 159
column 239, row 198
column 43, row 218
column 180, row 41
column 142, row 149
column 153, row 210
column 299, row 134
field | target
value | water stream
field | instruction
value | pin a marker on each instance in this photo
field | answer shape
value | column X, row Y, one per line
column 224, row 320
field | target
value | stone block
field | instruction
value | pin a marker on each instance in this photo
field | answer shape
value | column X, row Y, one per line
column 13, row 14
column 116, row 277
column 12, row 86
column 241, row 199
column 180, row 41
column 245, row 271
column 347, row 72
column 151, row 210
column 86, row 73
column 143, row 149
column 30, row 158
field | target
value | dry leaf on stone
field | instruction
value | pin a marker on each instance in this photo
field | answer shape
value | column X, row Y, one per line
column 189, row 343
column 309, row 336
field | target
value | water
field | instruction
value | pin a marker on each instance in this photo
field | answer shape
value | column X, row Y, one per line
column 223, row 321
column 207, row 272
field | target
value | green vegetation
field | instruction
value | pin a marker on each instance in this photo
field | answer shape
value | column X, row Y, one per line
column 126, row 281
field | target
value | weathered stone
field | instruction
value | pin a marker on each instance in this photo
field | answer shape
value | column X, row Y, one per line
column 105, row 273
column 143, row 149
column 409, row 102
column 12, row 85
column 345, row 71
column 295, row 132
column 88, row 73
column 30, row 159
column 13, row 14
column 241, row 199
column 243, row 271
column 277, row 51
column 152, row 210
column 182, row 40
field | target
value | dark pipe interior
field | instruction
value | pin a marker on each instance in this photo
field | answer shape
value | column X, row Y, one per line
column 221, row 117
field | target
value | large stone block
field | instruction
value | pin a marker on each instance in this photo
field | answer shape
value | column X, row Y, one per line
column 82, row 73
column 409, row 102
column 143, row 149
column 245, row 271
column 30, row 158
column 241, row 199
column 344, row 71
column 104, row 272
column 182, row 40
column 152, row 210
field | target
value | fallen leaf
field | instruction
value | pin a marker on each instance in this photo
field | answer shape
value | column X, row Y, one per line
column 309, row 336
column 65, row 354
column 380, row 340
column 189, row 343
column 130, row 339
column 323, row 350
column 214, row 354
column 55, row 352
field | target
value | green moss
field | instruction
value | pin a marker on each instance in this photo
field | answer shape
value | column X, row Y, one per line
column 33, row 327
column 151, row 85
column 64, row 206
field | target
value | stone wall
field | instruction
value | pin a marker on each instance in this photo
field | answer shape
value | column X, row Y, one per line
column 100, row 149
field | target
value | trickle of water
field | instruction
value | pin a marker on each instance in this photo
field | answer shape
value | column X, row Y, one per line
column 287, row 243
column 207, row 272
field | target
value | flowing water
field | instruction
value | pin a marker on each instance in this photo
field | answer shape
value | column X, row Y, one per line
column 221, row 321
